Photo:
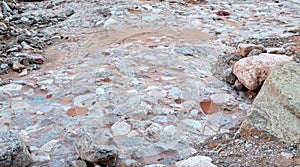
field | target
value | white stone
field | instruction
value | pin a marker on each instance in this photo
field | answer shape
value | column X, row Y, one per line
column 49, row 145
column 120, row 128
column 170, row 129
column 192, row 123
column 196, row 161
column 100, row 91
column 220, row 98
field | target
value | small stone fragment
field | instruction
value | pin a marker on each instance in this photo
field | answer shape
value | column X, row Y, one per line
column 17, row 66
column 97, row 147
column 228, row 76
column 120, row 128
column 70, row 12
column 223, row 13
column 244, row 49
column 23, row 73
column 196, row 161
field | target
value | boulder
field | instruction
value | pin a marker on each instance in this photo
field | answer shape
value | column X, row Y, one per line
column 253, row 71
column 196, row 161
column 244, row 49
column 13, row 151
column 97, row 147
column 276, row 109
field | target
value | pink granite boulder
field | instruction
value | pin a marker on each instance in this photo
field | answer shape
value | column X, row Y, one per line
column 253, row 71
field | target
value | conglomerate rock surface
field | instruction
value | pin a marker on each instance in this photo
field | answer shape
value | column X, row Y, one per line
column 138, row 71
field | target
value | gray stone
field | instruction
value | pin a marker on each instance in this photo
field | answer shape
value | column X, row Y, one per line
column 153, row 133
column 185, row 50
column 160, row 119
column 6, row 9
column 122, row 109
column 78, row 163
column 13, row 151
column 97, row 147
column 165, row 111
column 174, row 92
column 228, row 76
column 69, row 12
column 254, row 52
column 276, row 109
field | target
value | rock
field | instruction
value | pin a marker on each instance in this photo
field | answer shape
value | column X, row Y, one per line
column 238, row 85
column 120, row 128
column 196, row 161
column 252, row 71
column 23, row 73
column 222, row 13
column 78, row 163
column 228, row 76
column 69, row 12
column 276, row 50
column 276, row 109
column 17, row 66
column 97, row 147
column 244, row 49
column 13, row 151
column 254, row 52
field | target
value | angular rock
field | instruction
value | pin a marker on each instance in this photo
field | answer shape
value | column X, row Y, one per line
column 252, row 71
column 120, row 128
column 13, row 151
column 17, row 66
column 97, row 147
column 244, row 49
column 276, row 109
column 228, row 76
column 195, row 161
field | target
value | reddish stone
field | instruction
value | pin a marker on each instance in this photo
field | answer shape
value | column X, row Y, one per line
column 77, row 111
column 209, row 107
column 223, row 13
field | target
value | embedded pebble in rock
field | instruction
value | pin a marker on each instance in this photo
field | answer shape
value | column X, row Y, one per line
column 196, row 161
column 120, row 128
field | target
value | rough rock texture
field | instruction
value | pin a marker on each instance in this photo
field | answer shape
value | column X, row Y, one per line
column 253, row 71
column 276, row 109
column 196, row 161
column 97, row 147
column 244, row 49
column 13, row 151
